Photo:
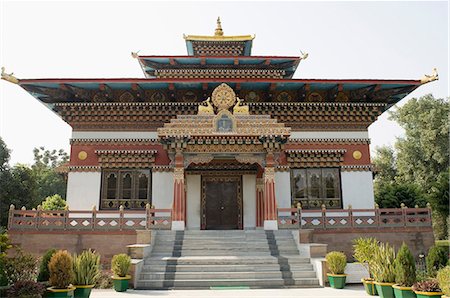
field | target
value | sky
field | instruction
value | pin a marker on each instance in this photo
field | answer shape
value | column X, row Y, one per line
column 345, row 40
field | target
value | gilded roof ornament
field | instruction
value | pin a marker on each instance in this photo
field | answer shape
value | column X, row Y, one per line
column 9, row 77
column 223, row 97
column 303, row 55
column 135, row 54
column 430, row 78
column 219, row 31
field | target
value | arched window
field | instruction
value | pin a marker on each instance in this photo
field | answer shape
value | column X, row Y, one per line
column 129, row 188
column 314, row 187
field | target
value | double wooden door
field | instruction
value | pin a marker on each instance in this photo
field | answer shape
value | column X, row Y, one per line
column 221, row 203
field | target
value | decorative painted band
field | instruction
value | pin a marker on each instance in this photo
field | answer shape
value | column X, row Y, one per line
column 401, row 288
column 384, row 283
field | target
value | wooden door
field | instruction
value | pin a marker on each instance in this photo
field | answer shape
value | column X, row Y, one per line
column 222, row 203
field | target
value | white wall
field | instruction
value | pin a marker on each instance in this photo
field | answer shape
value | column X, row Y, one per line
column 283, row 189
column 357, row 189
column 83, row 190
column 329, row 135
column 114, row 135
column 249, row 200
column 162, row 189
column 193, row 199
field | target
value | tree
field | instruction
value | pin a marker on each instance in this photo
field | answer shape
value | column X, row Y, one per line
column 54, row 202
column 439, row 200
column 394, row 194
column 4, row 156
column 423, row 153
column 385, row 164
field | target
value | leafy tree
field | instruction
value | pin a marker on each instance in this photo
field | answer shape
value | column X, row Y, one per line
column 423, row 153
column 4, row 156
column 385, row 164
column 394, row 194
column 439, row 199
column 54, row 202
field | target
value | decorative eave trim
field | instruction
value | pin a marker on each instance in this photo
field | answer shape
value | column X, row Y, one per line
column 308, row 151
column 148, row 141
column 162, row 168
column 355, row 168
column 329, row 140
column 315, row 158
column 134, row 159
column 84, row 169
column 282, row 168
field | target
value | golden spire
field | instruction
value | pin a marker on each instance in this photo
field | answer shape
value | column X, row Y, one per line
column 219, row 31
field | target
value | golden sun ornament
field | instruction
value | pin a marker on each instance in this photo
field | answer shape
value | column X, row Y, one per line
column 223, row 97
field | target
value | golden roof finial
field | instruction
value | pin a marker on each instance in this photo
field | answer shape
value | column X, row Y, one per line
column 219, row 31
column 430, row 78
column 9, row 77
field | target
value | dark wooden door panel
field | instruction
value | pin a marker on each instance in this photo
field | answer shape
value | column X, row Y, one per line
column 222, row 203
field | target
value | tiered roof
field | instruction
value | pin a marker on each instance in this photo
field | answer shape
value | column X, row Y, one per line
column 264, row 82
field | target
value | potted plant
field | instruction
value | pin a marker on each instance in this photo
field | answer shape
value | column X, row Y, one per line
column 363, row 249
column 443, row 277
column 336, row 262
column 43, row 268
column 427, row 288
column 436, row 259
column 26, row 289
column 86, row 267
column 383, row 270
column 405, row 273
column 120, row 266
column 61, row 275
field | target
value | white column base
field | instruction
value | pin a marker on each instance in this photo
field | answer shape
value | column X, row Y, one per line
column 270, row 225
column 178, row 225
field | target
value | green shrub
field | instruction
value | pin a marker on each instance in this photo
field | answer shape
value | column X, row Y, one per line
column 86, row 267
column 54, row 202
column 120, row 265
column 61, row 269
column 4, row 243
column 26, row 289
column 3, row 275
column 21, row 267
column 443, row 277
column 363, row 249
column 383, row 263
column 436, row 259
column 43, row 269
column 336, row 262
column 405, row 267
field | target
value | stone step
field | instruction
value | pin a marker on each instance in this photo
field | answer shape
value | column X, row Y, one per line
column 226, row 268
column 207, row 283
column 223, row 260
column 225, row 275
column 219, row 248
column 221, row 253
column 224, row 242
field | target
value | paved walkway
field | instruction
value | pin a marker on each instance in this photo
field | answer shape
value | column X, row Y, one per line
column 347, row 292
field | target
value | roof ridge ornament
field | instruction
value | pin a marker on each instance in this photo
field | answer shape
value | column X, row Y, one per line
column 9, row 77
column 303, row 55
column 430, row 78
column 219, row 31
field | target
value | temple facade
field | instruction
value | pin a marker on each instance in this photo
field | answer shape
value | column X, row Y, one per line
column 222, row 138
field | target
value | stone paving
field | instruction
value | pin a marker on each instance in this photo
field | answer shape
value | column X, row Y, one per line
column 348, row 292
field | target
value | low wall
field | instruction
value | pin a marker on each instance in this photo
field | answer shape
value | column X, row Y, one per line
column 419, row 239
column 105, row 243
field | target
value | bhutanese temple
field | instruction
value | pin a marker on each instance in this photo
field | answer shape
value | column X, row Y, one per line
column 222, row 140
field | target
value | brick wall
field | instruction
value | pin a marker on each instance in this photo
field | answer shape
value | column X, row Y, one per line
column 106, row 244
column 419, row 240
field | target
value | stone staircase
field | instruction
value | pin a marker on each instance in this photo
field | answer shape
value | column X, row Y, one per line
column 204, row 259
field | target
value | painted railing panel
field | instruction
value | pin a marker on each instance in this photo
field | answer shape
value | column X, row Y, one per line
column 94, row 220
column 293, row 218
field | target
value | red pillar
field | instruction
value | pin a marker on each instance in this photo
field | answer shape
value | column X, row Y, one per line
column 179, row 195
column 259, row 202
column 270, row 203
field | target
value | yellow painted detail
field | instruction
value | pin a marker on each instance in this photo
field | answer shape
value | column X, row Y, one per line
column 384, row 283
column 401, row 288
column 357, row 154
column 51, row 289
column 218, row 38
column 330, row 274
column 82, row 155
column 121, row 278
column 429, row 293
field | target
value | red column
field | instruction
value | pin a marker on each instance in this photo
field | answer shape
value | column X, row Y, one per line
column 179, row 195
column 259, row 202
column 270, row 205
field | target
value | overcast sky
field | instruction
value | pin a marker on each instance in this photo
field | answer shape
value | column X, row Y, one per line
column 345, row 40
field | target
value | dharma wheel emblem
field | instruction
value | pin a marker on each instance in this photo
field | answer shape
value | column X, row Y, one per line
column 223, row 97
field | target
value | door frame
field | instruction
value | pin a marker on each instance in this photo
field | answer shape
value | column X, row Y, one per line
column 221, row 177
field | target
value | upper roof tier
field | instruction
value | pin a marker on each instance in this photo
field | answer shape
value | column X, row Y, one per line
column 219, row 44
column 216, row 67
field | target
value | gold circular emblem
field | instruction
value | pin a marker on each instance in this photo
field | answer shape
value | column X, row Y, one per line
column 357, row 154
column 223, row 97
column 82, row 155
